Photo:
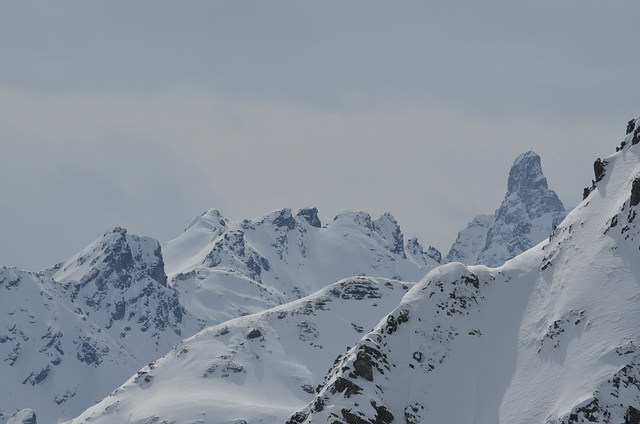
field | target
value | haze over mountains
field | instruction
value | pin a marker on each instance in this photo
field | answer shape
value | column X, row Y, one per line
column 258, row 310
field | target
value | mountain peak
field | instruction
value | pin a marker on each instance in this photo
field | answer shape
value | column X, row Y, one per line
column 526, row 216
column 526, row 174
column 311, row 216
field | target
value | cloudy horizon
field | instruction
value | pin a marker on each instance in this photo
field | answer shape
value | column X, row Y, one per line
column 144, row 114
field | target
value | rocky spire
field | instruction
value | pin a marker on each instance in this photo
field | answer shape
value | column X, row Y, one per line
column 526, row 216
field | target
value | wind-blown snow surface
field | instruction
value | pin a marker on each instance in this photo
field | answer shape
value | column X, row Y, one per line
column 527, row 215
column 551, row 336
column 224, row 269
column 258, row 368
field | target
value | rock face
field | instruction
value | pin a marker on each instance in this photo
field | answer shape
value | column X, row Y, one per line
column 120, row 281
column 527, row 215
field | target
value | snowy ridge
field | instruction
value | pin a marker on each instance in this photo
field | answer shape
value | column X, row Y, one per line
column 224, row 269
column 551, row 336
column 258, row 368
column 527, row 215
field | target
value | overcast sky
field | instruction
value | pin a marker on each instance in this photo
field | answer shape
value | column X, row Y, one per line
column 143, row 114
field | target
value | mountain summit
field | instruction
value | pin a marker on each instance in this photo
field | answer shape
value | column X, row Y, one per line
column 527, row 215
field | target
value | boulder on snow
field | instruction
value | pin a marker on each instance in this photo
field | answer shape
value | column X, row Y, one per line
column 635, row 191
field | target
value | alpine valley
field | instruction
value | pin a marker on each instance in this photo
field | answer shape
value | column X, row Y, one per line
column 532, row 317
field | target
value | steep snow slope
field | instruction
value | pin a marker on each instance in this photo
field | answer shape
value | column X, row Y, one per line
column 71, row 334
column 258, row 368
column 552, row 336
column 224, row 269
column 527, row 215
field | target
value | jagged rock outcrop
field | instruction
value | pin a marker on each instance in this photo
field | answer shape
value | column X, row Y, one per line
column 527, row 215
column 120, row 281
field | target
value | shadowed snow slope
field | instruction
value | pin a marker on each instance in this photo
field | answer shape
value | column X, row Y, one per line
column 526, row 216
column 551, row 336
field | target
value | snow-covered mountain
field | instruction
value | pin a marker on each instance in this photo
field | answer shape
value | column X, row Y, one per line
column 224, row 269
column 552, row 336
column 74, row 332
column 257, row 368
column 71, row 333
column 527, row 215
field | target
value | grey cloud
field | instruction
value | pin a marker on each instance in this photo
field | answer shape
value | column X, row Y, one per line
column 146, row 113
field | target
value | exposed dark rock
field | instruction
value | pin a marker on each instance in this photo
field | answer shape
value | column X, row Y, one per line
column 397, row 247
column 254, row 334
column 589, row 412
column 357, row 289
column 383, row 416
column 351, row 418
column 37, row 378
column 157, row 272
column 311, row 216
column 635, row 191
column 297, row 418
column 434, row 254
column 346, row 387
column 586, row 192
column 631, row 125
column 119, row 312
column 308, row 388
column 632, row 416
column 393, row 323
column 599, row 169
column 285, row 219
column 90, row 351
column 363, row 366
